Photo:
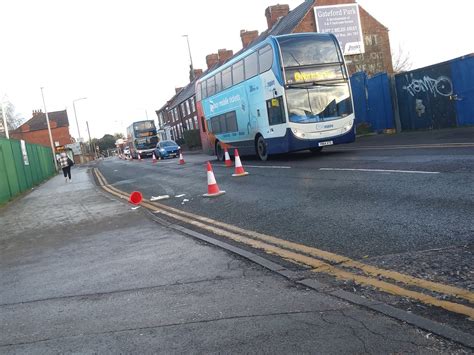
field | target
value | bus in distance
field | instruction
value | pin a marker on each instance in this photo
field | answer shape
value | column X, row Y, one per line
column 286, row 93
column 142, row 138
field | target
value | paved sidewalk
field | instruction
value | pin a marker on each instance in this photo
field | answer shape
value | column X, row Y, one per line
column 82, row 272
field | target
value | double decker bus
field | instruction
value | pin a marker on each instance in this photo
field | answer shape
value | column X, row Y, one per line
column 287, row 93
column 142, row 138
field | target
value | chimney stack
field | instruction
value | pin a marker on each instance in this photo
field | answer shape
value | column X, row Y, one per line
column 37, row 112
column 211, row 60
column 248, row 37
column 197, row 73
column 273, row 13
column 224, row 54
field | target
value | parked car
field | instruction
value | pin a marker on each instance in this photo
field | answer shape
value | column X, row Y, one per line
column 167, row 149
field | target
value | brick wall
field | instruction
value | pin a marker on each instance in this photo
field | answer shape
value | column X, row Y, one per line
column 377, row 57
column 41, row 137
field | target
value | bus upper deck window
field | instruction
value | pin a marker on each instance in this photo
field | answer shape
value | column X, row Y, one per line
column 265, row 58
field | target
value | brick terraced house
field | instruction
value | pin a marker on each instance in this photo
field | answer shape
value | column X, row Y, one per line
column 35, row 130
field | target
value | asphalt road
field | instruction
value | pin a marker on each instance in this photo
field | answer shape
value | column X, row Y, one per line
column 399, row 202
column 424, row 201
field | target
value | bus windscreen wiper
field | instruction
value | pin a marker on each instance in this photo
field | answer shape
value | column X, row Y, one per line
column 312, row 84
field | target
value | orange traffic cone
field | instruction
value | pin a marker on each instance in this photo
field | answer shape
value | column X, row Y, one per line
column 228, row 162
column 181, row 159
column 139, row 157
column 212, row 188
column 154, row 158
column 239, row 169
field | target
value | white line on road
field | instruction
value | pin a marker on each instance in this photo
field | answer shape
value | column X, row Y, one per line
column 268, row 166
column 406, row 146
column 382, row 170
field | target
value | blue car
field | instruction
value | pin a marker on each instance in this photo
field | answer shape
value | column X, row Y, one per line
column 167, row 149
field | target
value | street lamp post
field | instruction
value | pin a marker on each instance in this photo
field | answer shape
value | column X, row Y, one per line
column 75, row 115
column 49, row 130
column 191, row 74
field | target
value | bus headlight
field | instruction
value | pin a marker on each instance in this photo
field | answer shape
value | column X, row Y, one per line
column 297, row 133
column 348, row 126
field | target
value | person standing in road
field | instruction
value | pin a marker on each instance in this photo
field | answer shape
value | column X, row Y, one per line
column 66, row 164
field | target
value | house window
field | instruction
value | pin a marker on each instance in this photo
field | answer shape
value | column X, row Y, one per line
column 188, row 110
column 193, row 105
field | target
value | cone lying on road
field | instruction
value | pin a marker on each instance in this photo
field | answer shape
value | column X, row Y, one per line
column 181, row 159
column 239, row 169
column 135, row 198
column 228, row 162
column 212, row 188
column 154, row 158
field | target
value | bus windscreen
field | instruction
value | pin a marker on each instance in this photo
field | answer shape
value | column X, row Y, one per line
column 144, row 125
column 308, row 50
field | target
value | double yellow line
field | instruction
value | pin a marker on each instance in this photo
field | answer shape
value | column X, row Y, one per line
column 318, row 260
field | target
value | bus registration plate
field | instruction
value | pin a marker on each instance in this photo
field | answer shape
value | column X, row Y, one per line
column 322, row 144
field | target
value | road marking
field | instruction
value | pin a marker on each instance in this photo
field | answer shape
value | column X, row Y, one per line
column 381, row 170
column 268, row 166
column 407, row 146
column 316, row 264
column 328, row 256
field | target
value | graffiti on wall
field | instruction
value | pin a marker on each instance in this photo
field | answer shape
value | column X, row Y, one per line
column 442, row 86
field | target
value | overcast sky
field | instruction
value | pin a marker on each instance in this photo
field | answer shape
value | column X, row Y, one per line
column 127, row 57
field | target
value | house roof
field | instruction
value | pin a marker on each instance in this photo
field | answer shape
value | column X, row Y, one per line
column 38, row 121
column 286, row 24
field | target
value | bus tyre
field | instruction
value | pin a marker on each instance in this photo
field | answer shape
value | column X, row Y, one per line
column 316, row 150
column 261, row 148
column 219, row 151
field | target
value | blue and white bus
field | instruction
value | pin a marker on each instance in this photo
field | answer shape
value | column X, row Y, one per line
column 287, row 93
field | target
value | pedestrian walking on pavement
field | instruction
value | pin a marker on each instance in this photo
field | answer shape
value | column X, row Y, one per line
column 66, row 164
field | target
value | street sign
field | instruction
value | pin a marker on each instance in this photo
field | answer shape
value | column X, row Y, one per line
column 344, row 22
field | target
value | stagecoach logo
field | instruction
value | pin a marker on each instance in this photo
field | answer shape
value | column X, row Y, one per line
column 213, row 106
column 253, row 88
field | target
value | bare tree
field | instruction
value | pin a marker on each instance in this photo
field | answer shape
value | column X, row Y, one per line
column 401, row 61
column 14, row 120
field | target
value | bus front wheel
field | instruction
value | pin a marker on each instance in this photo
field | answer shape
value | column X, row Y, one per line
column 219, row 151
column 261, row 148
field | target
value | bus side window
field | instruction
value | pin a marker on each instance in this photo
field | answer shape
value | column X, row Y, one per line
column 218, row 82
column 265, row 58
column 275, row 111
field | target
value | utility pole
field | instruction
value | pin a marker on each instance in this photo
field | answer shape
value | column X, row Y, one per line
column 191, row 72
column 75, row 115
column 49, row 130
column 90, row 141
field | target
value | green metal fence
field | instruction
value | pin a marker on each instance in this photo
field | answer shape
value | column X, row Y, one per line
column 15, row 175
